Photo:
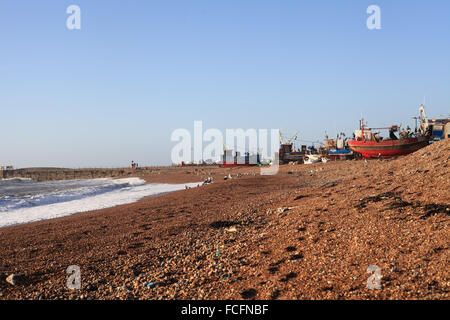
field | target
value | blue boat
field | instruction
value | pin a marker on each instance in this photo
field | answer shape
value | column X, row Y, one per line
column 340, row 152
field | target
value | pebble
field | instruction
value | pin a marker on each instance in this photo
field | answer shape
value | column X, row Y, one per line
column 12, row 279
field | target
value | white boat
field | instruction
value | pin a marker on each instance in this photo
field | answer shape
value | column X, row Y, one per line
column 312, row 158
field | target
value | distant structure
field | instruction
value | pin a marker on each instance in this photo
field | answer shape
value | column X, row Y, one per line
column 287, row 152
column 3, row 170
column 439, row 128
column 230, row 160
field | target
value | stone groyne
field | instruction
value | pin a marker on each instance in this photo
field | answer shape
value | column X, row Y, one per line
column 48, row 174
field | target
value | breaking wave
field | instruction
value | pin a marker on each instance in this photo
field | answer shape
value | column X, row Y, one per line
column 24, row 200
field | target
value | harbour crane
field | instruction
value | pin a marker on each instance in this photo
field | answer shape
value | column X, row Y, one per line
column 288, row 141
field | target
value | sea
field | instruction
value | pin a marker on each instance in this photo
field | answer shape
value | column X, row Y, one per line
column 26, row 200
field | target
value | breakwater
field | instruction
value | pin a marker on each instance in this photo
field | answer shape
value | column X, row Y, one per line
column 50, row 174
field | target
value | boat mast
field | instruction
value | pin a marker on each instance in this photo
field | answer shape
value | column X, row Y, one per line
column 361, row 125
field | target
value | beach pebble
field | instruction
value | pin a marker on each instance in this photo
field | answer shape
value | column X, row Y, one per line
column 13, row 279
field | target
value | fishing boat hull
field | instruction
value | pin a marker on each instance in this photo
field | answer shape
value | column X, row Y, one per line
column 388, row 148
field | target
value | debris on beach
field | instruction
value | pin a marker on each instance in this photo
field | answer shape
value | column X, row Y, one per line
column 232, row 229
column 208, row 181
column 11, row 279
column 284, row 209
column 15, row 279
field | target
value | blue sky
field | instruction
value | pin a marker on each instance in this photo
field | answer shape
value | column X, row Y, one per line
column 115, row 90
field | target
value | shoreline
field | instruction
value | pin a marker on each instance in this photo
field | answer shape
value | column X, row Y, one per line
column 309, row 232
column 52, row 174
column 89, row 203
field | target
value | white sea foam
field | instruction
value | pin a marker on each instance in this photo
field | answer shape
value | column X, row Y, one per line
column 93, row 195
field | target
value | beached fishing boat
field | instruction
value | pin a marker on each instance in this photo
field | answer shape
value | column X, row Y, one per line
column 337, row 149
column 370, row 145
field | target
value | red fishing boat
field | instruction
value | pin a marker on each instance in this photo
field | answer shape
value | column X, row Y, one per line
column 370, row 145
